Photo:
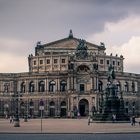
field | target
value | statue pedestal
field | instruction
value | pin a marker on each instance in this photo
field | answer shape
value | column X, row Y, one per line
column 112, row 105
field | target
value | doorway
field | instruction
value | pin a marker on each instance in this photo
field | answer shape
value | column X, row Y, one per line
column 63, row 112
column 84, row 107
column 52, row 109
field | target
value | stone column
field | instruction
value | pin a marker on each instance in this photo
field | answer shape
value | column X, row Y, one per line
column 36, row 85
column 45, row 81
column 36, row 107
column 68, row 84
column 58, row 85
column 93, row 83
column 46, row 107
column 57, row 107
column 27, row 87
column 47, row 85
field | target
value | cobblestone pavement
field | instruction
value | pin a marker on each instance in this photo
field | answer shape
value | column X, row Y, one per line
column 66, row 126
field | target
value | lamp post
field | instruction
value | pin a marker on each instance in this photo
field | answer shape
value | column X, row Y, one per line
column 95, row 68
column 16, row 120
column 133, row 108
column 41, row 108
column 6, row 108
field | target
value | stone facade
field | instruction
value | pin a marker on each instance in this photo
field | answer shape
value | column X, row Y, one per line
column 66, row 77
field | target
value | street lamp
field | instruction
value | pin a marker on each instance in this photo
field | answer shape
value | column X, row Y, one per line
column 41, row 108
column 133, row 108
column 16, row 120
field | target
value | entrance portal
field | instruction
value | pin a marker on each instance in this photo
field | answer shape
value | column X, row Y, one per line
column 52, row 109
column 84, row 107
column 63, row 109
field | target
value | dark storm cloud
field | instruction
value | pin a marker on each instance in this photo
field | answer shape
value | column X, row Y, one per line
column 49, row 20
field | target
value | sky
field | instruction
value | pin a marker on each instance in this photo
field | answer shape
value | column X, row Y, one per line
column 23, row 23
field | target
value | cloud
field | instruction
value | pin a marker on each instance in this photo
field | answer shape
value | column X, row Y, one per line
column 130, row 50
column 13, row 63
column 15, row 46
column 50, row 20
column 122, row 37
column 23, row 23
column 13, row 55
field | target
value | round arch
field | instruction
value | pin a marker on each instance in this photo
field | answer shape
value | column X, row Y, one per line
column 83, row 68
column 22, row 108
column 63, row 107
column 22, row 87
column 52, row 108
column 31, row 86
column 83, row 107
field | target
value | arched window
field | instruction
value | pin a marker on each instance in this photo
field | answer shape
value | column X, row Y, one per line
column 63, row 103
column 63, row 107
column 52, row 104
column 82, row 88
column 6, row 87
column 83, row 69
column 22, row 104
column 31, row 86
column 126, row 107
column 126, row 87
column 133, row 87
column 22, row 87
column 31, row 103
column 100, row 86
column 41, row 103
column 41, row 86
column 22, row 109
column 118, row 86
column 52, row 109
column 52, row 86
column 63, row 85
column 126, row 104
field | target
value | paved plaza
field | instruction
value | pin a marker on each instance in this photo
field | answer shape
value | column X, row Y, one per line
column 65, row 126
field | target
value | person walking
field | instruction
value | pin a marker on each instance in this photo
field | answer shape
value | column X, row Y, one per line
column 89, row 120
column 78, row 115
column 133, row 121
column 11, row 119
column 114, row 117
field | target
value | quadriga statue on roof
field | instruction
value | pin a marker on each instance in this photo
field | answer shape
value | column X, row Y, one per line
column 81, row 51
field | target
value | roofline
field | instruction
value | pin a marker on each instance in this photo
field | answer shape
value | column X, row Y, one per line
column 60, row 40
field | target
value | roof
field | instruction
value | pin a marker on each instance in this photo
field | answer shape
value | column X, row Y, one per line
column 68, row 43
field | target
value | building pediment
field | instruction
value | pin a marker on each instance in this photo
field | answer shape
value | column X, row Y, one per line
column 69, row 43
